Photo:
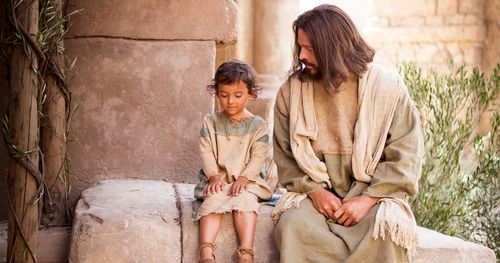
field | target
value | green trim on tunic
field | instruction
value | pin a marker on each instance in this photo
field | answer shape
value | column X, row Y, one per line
column 225, row 127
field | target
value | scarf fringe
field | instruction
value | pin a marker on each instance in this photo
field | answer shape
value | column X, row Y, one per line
column 403, row 234
column 287, row 201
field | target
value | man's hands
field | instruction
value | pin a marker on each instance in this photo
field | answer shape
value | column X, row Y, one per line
column 354, row 209
column 347, row 212
column 325, row 202
column 215, row 185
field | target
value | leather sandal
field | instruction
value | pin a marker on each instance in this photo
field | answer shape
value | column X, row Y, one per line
column 210, row 245
column 242, row 251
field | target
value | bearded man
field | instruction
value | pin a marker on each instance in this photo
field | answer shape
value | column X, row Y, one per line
column 348, row 146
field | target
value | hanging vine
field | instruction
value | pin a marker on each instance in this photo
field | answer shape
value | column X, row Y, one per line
column 45, row 52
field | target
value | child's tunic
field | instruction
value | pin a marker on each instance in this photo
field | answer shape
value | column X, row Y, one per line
column 230, row 150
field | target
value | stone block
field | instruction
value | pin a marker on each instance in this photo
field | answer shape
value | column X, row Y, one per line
column 127, row 221
column 141, row 104
column 434, row 20
column 264, row 244
column 155, row 19
column 447, row 7
column 429, row 34
column 491, row 52
column 109, row 211
column 471, row 7
column 404, row 8
column 492, row 11
column 454, row 20
column 425, row 53
column 473, row 55
column 473, row 19
column 379, row 21
column 455, row 52
column 406, row 52
column 53, row 244
column 436, row 247
column 407, row 21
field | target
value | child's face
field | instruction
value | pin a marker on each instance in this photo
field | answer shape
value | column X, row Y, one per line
column 233, row 99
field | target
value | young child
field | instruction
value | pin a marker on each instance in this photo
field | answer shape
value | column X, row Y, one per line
column 234, row 147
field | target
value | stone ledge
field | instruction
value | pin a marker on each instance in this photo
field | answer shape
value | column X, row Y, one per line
column 53, row 244
column 120, row 203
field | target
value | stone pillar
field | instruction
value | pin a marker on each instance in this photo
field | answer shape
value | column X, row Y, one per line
column 491, row 54
column 273, row 35
column 265, row 40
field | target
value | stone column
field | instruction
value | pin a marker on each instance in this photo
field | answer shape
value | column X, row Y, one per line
column 273, row 35
column 266, row 42
column 491, row 55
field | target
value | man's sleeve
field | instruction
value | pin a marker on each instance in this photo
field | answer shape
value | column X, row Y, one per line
column 290, row 175
column 398, row 171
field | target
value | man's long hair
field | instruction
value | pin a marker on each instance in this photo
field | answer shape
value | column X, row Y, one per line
column 337, row 45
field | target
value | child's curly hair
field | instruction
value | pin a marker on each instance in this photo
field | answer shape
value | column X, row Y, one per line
column 233, row 71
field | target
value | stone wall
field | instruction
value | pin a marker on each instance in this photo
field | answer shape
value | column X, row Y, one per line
column 140, row 78
column 491, row 53
column 429, row 32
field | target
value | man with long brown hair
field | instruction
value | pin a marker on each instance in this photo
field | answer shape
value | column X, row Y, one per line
column 348, row 146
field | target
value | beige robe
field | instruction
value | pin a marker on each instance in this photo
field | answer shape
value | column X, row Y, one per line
column 231, row 150
column 396, row 176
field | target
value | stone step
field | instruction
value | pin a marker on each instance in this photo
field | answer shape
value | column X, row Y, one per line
column 151, row 221
column 53, row 244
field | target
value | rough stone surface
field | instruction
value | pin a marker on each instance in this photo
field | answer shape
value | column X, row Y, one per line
column 471, row 6
column 447, row 7
column 264, row 244
column 53, row 244
column 434, row 247
column 491, row 54
column 156, row 19
column 140, row 109
column 126, row 221
column 404, row 8
column 272, row 28
column 426, row 34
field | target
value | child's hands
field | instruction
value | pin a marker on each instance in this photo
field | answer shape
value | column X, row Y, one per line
column 215, row 185
column 238, row 186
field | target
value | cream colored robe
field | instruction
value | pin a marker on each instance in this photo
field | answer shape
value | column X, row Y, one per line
column 231, row 150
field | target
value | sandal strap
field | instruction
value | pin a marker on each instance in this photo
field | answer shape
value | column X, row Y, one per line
column 243, row 250
column 208, row 244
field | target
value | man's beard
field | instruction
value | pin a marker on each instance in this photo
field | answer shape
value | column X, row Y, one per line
column 307, row 70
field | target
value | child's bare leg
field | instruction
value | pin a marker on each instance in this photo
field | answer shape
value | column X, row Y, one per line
column 244, row 223
column 209, row 227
